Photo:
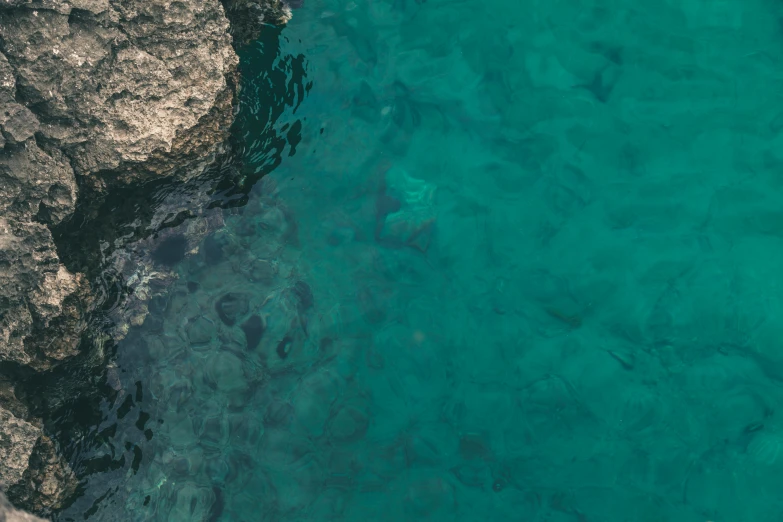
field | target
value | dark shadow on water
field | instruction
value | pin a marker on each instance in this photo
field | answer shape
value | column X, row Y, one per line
column 99, row 420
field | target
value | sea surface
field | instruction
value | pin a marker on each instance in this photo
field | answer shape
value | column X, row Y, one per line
column 513, row 260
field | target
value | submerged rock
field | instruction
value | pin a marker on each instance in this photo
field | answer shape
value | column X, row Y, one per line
column 304, row 295
column 200, row 330
column 405, row 213
column 170, row 251
column 253, row 329
column 231, row 306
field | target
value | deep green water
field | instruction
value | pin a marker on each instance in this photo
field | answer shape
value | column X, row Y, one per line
column 521, row 260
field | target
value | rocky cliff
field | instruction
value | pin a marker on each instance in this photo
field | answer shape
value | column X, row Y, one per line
column 95, row 95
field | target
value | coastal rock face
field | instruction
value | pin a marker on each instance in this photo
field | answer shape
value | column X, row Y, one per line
column 37, row 189
column 121, row 87
column 94, row 95
column 9, row 514
column 248, row 16
column 106, row 92
column 29, row 461
column 16, row 445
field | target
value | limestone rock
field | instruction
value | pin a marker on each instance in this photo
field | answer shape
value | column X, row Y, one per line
column 109, row 92
column 115, row 83
column 30, row 468
column 47, row 482
column 17, row 441
column 36, row 291
column 9, row 514
column 17, row 122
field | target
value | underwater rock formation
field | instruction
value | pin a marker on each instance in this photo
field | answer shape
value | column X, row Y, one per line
column 95, row 95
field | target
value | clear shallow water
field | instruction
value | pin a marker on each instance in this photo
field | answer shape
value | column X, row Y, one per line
column 520, row 261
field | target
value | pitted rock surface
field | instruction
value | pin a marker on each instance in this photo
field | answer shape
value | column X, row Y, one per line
column 17, row 440
column 114, row 83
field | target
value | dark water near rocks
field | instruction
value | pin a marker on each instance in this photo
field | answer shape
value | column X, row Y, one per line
column 513, row 261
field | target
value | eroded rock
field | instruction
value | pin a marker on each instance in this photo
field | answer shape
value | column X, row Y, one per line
column 9, row 514
column 122, row 87
column 109, row 93
column 30, row 468
column 16, row 445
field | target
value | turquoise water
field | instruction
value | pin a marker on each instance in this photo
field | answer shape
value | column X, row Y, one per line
column 519, row 260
